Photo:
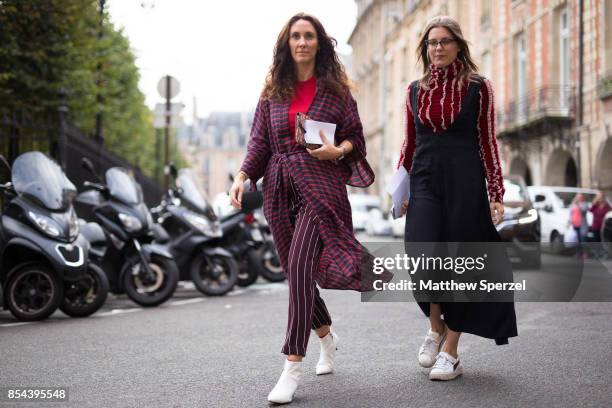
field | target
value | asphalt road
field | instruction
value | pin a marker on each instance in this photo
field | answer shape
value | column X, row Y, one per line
column 225, row 352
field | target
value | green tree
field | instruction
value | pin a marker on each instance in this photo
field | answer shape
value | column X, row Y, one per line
column 51, row 52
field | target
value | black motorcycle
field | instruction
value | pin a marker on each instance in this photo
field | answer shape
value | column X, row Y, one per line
column 44, row 258
column 271, row 269
column 193, row 231
column 119, row 230
column 246, row 236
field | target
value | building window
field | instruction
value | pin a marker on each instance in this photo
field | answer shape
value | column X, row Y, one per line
column 485, row 16
column 486, row 65
column 231, row 166
column 218, row 139
column 404, row 64
column 608, row 37
column 521, row 76
column 563, row 25
column 563, row 48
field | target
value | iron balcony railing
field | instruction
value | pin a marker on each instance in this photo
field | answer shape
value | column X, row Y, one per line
column 548, row 102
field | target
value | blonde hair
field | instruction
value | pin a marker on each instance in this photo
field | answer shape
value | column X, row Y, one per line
column 470, row 69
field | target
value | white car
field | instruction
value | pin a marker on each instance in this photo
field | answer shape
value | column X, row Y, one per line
column 553, row 204
column 221, row 205
column 397, row 225
column 377, row 224
column 361, row 204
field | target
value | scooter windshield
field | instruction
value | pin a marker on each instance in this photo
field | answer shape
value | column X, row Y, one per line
column 37, row 177
column 190, row 191
column 122, row 186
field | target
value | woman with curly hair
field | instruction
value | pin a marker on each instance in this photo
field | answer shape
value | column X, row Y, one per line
column 305, row 198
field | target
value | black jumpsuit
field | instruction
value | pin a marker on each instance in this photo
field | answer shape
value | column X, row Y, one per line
column 449, row 203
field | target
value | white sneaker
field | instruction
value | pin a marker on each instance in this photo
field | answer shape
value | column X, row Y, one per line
column 431, row 347
column 446, row 368
column 283, row 391
column 329, row 344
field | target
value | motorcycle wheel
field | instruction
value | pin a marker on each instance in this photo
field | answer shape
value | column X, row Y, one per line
column 214, row 275
column 247, row 275
column 151, row 292
column 268, row 264
column 86, row 295
column 33, row 292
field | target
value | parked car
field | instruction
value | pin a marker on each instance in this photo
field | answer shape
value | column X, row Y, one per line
column 553, row 204
column 520, row 225
column 361, row 204
column 377, row 224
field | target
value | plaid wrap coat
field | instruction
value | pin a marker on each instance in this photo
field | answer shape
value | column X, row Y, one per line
column 273, row 154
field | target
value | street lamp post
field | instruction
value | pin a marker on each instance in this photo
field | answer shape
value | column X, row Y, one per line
column 99, row 133
column 168, row 87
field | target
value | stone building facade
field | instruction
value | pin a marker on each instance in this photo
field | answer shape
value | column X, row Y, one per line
column 553, row 128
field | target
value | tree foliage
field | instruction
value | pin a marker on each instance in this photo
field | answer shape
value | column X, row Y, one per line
column 64, row 52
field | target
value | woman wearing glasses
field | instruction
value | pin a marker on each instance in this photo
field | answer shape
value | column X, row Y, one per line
column 305, row 197
column 449, row 151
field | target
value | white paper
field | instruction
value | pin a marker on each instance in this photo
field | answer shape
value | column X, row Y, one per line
column 312, row 131
column 399, row 189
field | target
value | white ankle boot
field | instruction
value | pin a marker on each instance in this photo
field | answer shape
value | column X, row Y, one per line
column 328, row 353
column 284, row 389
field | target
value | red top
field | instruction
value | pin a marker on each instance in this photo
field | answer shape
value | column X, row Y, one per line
column 302, row 98
column 599, row 213
column 439, row 106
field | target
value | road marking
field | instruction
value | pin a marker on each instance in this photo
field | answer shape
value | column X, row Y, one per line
column 186, row 301
column 263, row 288
column 119, row 311
column 15, row 324
column 260, row 287
column 275, row 285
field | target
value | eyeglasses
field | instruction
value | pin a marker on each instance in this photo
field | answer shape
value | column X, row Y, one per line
column 443, row 42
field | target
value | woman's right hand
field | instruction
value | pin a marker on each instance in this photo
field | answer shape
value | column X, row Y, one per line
column 404, row 207
column 235, row 192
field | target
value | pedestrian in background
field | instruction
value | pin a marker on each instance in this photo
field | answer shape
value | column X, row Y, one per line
column 578, row 219
column 450, row 150
column 599, row 208
column 305, row 198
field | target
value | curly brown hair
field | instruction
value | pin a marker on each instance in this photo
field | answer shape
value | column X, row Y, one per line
column 282, row 75
column 470, row 69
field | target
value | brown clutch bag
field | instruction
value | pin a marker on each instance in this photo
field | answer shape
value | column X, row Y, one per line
column 300, row 131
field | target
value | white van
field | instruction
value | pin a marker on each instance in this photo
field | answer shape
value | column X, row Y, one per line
column 361, row 204
column 553, row 203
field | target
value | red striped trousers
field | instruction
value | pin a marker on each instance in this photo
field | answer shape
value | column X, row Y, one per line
column 306, row 307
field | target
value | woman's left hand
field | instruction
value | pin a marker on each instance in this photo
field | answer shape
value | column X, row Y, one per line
column 326, row 152
column 497, row 212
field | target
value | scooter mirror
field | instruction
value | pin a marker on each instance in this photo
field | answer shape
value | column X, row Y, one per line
column 5, row 163
column 88, row 165
column 170, row 170
column 98, row 187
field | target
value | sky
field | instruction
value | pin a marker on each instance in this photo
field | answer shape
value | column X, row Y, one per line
column 219, row 51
